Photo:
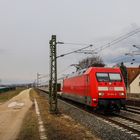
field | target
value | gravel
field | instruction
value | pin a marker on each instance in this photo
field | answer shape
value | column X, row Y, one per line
column 102, row 128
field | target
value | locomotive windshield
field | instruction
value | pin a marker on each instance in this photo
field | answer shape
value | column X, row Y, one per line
column 102, row 77
column 115, row 77
column 108, row 77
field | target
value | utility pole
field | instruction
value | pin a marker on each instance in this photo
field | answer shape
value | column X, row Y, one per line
column 37, row 80
column 53, row 76
column 53, row 71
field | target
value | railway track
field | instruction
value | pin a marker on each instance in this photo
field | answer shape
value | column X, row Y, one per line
column 129, row 116
column 128, row 125
column 131, row 125
column 132, row 109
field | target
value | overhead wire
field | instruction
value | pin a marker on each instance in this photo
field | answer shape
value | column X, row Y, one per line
column 72, row 43
column 119, row 39
column 102, row 47
column 44, row 76
column 62, row 55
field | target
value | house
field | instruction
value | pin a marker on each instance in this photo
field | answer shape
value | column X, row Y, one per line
column 134, row 79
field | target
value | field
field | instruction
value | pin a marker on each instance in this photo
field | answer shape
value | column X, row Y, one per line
column 8, row 95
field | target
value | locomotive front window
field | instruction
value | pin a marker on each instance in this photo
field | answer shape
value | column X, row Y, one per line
column 102, row 77
column 115, row 77
column 108, row 77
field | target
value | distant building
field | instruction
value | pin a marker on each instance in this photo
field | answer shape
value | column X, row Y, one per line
column 134, row 79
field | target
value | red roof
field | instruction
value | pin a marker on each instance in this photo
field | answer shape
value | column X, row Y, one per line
column 133, row 72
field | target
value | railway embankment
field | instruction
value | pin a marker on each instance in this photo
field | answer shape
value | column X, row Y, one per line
column 101, row 127
column 60, row 126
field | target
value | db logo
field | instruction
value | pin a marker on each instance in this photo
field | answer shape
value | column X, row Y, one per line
column 111, row 88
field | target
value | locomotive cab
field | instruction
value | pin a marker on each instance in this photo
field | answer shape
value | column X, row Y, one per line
column 111, row 90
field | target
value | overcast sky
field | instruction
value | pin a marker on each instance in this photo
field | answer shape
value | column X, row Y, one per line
column 26, row 27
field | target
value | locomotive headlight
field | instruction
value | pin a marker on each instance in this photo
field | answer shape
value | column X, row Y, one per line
column 121, row 94
column 101, row 94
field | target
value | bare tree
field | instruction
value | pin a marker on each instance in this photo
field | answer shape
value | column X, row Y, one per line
column 94, row 61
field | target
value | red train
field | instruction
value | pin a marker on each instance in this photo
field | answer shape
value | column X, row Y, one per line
column 100, row 88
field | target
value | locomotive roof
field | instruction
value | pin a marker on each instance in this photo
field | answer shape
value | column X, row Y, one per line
column 77, row 73
column 101, row 69
column 88, row 70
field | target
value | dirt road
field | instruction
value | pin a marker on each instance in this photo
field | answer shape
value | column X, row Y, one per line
column 12, row 113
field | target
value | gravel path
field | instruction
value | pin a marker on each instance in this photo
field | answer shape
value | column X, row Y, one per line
column 12, row 113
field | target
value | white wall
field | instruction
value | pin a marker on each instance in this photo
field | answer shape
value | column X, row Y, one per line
column 135, row 85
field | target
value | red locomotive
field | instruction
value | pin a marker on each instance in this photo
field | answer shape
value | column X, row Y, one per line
column 100, row 88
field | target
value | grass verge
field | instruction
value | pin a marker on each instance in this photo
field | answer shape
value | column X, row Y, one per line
column 8, row 95
column 29, row 128
column 61, row 126
column 58, row 127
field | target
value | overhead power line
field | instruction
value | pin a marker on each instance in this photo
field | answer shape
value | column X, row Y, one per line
column 87, row 52
column 81, row 44
column 133, row 53
column 43, row 76
column 62, row 55
column 119, row 39
column 124, row 60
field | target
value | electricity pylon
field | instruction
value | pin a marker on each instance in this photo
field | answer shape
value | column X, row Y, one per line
column 53, row 76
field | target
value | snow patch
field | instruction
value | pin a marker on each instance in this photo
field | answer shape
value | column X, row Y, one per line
column 15, row 105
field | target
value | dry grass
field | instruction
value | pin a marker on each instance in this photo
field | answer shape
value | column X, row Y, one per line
column 29, row 128
column 58, row 127
column 8, row 95
column 61, row 126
